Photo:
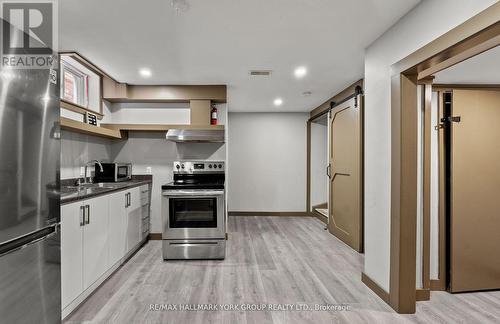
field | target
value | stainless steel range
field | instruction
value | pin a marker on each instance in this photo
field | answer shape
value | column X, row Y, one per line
column 193, row 211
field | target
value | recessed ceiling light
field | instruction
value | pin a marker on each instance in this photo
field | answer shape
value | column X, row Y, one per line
column 145, row 73
column 300, row 72
column 278, row 102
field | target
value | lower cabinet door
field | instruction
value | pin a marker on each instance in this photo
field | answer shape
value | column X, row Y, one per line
column 95, row 240
column 134, row 233
column 117, row 227
column 134, row 219
column 71, row 252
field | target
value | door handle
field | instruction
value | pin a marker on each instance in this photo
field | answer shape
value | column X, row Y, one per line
column 87, row 207
column 328, row 170
column 27, row 240
column 126, row 200
column 199, row 193
column 82, row 215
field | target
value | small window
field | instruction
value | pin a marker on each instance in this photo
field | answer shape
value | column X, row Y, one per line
column 74, row 87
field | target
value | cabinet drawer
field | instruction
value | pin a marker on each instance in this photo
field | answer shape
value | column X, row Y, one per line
column 145, row 223
column 145, row 211
column 144, row 191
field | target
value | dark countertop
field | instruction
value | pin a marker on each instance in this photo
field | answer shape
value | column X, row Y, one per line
column 70, row 194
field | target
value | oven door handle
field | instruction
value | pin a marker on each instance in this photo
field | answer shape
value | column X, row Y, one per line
column 198, row 193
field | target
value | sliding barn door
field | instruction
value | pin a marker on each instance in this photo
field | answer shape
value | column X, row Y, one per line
column 475, row 191
column 345, row 154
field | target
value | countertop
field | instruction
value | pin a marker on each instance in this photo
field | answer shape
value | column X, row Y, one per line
column 71, row 193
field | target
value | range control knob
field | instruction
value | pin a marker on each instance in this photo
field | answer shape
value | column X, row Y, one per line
column 220, row 166
column 182, row 166
column 177, row 166
column 210, row 166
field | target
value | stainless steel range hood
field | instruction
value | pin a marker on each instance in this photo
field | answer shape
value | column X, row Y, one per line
column 196, row 135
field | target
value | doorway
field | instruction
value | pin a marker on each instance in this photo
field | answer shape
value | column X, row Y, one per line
column 319, row 162
column 467, row 40
column 335, row 163
column 468, row 103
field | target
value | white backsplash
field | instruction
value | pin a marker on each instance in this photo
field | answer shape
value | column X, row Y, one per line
column 77, row 149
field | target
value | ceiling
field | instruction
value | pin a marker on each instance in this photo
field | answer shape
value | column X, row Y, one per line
column 480, row 69
column 219, row 41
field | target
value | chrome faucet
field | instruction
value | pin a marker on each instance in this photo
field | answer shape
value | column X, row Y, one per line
column 85, row 175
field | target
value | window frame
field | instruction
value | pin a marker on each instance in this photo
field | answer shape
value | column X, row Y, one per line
column 82, row 84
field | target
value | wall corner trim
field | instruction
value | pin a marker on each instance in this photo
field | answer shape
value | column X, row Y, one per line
column 379, row 291
column 423, row 294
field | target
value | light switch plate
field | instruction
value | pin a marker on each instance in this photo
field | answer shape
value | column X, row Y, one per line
column 148, row 170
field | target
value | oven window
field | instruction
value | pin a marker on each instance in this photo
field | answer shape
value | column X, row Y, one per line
column 193, row 212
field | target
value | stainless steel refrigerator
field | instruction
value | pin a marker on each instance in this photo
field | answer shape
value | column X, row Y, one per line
column 30, row 275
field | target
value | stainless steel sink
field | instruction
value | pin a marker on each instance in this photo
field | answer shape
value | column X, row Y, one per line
column 87, row 189
column 111, row 185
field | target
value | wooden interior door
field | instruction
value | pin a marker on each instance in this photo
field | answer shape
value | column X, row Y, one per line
column 345, row 219
column 475, row 191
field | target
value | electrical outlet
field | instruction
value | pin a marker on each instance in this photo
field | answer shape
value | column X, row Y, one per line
column 148, row 170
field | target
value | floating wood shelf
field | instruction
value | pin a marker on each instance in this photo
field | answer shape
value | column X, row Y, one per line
column 119, row 131
column 79, row 127
column 158, row 127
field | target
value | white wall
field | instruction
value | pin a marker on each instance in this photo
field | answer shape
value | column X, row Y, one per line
column 267, row 161
column 146, row 113
column 77, row 149
column 319, row 161
column 153, row 113
column 405, row 37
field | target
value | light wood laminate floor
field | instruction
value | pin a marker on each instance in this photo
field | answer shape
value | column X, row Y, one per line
column 269, row 260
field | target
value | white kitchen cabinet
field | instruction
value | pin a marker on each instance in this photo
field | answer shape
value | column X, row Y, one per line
column 84, row 245
column 96, row 235
column 95, row 239
column 117, row 227
column 71, row 252
column 134, row 218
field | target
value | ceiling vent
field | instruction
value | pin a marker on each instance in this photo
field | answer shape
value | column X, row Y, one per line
column 260, row 72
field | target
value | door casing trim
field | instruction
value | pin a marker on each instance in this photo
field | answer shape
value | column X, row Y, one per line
column 476, row 35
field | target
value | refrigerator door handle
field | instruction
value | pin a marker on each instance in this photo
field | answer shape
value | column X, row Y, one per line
column 27, row 240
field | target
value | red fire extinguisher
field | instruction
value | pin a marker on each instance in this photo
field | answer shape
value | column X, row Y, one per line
column 213, row 116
